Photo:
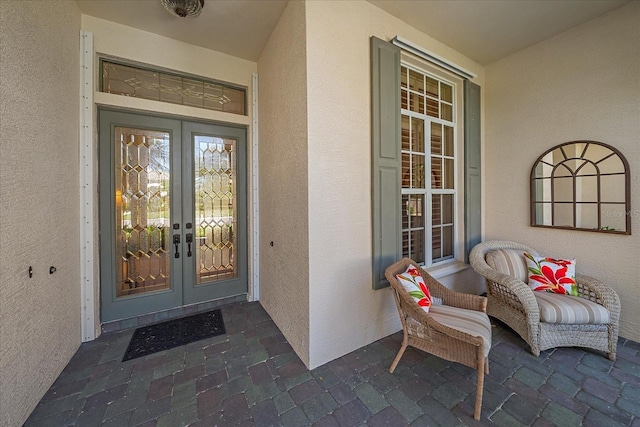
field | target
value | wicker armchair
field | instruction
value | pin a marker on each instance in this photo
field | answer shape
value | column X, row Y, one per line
column 441, row 334
column 513, row 302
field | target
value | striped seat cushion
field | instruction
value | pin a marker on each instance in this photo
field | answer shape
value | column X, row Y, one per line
column 510, row 262
column 565, row 309
column 472, row 322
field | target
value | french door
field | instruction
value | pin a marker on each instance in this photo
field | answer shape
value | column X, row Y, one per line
column 173, row 228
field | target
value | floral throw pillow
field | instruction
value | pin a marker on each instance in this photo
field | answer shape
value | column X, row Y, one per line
column 414, row 284
column 552, row 275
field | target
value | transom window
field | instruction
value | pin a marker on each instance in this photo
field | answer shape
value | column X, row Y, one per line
column 139, row 82
column 428, row 167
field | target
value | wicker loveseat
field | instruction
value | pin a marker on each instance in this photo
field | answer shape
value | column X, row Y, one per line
column 457, row 330
column 542, row 319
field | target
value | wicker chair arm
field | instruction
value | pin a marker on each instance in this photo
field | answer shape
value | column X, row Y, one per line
column 411, row 310
column 599, row 292
column 519, row 293
column 453, row 298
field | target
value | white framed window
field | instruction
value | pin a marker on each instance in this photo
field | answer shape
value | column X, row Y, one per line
column 430, row 133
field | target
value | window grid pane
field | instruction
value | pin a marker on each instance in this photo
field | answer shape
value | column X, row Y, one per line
column 417, row 246
column 446, row 112
column 406, row 170
column 405, row 212
column 404, row 95
column 417, row 163
column 448, row 141
column 436, row 209
column 433, row 87
column 416, row 81
column 447, row 242
column 417, row 135
column 447, row 208
column 446, row 92
column 436, row 243
column 433, row 109
column 436, row 138
column 448, row 173
column 416, row 102
column 414, row 210
column 436, row 172
column 406, row 134
column 413, row 226
column 413, row 245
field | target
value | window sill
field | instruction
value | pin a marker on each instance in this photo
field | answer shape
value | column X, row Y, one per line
column 453, row 267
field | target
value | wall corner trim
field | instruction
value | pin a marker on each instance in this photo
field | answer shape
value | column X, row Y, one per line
column 254, row 279
column 87, row 186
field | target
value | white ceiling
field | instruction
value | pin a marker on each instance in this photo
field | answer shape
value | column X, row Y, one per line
column 488, row 30
column 483, row 30
column 239, row 28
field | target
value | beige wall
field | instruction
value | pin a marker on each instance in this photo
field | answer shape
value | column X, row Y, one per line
column 39, row 205
column 284, row 196
column 345, row 313
column 582, row 84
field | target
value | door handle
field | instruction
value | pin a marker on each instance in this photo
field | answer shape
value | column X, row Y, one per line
column 176, row 241
column 189, row 240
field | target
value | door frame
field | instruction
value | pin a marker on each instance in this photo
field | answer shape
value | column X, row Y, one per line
column 88, row 224
column 109, row 118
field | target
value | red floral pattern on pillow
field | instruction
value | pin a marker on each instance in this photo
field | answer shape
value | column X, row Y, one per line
column 552, row 275
column 413, row 282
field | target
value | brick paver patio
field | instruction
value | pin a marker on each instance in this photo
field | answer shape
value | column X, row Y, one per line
column 251, row 377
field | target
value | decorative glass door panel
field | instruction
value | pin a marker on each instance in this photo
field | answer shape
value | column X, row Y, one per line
column 142, row 178
column 215, row 201
column 172, row 213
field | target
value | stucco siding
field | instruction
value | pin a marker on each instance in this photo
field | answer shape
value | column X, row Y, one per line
column 39, row 202
column 284, row 194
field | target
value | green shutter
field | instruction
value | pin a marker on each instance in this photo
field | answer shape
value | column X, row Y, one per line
column 472, row 177
column 385, row 153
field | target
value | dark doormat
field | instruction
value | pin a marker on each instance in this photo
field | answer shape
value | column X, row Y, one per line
column 173, row 333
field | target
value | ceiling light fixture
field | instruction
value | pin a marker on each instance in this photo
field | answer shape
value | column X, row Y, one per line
column 183, row 8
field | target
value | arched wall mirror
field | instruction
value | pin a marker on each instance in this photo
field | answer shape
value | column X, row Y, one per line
column 581, row 185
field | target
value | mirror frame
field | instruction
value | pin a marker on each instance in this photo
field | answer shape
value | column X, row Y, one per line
column 600, row 228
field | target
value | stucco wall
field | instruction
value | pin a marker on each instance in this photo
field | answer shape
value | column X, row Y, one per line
column 39, row 205
column 345, row 313
column 284, row 196
column 582, row 84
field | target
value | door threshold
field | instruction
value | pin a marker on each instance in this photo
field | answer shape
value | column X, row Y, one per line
column 160, row 316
